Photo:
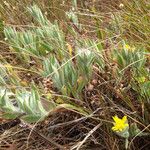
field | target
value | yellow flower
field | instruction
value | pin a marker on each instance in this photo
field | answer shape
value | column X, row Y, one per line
column 129, row 48
column 120, row 124
column 9, row 67
column 141, row 79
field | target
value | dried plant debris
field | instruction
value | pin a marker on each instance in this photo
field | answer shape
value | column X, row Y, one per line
column 74, row 75
column 58, row 131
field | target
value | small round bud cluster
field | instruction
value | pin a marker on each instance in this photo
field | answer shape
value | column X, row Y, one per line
column 48, row 84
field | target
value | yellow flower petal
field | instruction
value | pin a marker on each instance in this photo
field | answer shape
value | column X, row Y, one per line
column 116, row 118
column 124, row 119
column 127, row 47
column 120, row 124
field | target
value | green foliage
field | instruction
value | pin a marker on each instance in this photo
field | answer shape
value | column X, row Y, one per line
column 134, row 21
column 134, row 59
column 135, row 131
column 8, row 75
column 23, row 102
column 85, row 60
column 129, row 56
column 6, row 103
column 69, row 77
column 3, row 75
column 145, row 90
column 37, row 40
column 68, row 59
column 35, row 11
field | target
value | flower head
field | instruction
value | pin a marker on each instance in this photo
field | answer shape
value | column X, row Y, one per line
column 120, row 124
column 141, row 79
column 129, row 48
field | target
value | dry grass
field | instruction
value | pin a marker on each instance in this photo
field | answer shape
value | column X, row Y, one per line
column 83, row 75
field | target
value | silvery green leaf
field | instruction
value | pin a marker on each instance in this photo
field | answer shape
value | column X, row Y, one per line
column 124, row 133
column 31, row 118
column 134, row 131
